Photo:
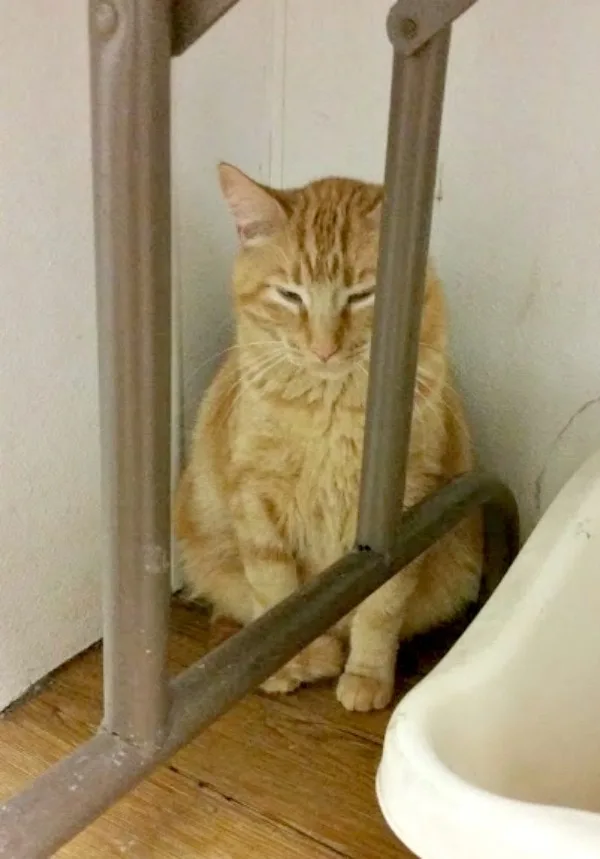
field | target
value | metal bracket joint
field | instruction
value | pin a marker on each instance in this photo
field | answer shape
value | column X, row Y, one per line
column 412, row 23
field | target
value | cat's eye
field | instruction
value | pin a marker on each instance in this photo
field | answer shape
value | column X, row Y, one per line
column 289, row 295
column 356, row 298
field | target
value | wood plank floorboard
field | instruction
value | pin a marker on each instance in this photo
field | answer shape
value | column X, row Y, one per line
column 276, row 778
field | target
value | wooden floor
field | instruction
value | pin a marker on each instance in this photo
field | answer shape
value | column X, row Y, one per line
column 284, row 778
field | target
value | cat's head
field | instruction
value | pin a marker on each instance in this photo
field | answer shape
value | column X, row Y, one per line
column 305, row 273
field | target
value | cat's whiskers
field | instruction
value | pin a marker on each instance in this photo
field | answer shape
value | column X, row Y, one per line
column 227, row 351
column 429, row 401
column 248, row 372
column 209, row 360
column 248, row 375
column 260, row 377
column 428, row 409
column 431, row 348
column 249, row 383
column 452, row 409
column 238, row 373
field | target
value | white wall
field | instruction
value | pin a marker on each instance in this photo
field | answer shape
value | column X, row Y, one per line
column 223, row 90
column 50, row 554
column 289, row 90
column 51, row 558
column 518, row 239
column 516, row 233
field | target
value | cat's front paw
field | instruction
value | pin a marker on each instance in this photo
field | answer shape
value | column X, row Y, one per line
column 322, row 659
column 283, row 682
column 363, row 693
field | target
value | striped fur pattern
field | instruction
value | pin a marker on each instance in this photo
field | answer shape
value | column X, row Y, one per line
column 269, row 495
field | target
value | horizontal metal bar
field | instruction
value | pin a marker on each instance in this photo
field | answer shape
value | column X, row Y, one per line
column 412, row 23
column 192, row 18
column 34, row 824
column 502, row 540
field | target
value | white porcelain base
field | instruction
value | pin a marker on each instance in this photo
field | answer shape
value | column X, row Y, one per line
column 496, row 755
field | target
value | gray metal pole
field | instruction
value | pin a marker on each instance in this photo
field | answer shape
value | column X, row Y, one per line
column 415, row 118
column 131, row 49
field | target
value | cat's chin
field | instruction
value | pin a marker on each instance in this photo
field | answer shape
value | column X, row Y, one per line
column 331, row 372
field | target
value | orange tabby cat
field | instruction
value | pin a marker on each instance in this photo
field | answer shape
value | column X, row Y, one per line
column 270, row 494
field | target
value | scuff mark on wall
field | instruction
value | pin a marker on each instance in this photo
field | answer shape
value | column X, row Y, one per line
column 539, row 481
column 533, row 291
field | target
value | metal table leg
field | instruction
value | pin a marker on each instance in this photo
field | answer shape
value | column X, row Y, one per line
column 414, row 130
column 131, row 51
column 131, row 48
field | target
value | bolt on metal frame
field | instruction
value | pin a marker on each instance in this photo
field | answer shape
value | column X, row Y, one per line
column 147, row 716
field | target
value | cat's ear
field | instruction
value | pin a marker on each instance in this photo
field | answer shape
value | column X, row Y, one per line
column 257, row 213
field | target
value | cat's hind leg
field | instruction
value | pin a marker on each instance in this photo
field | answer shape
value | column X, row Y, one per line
column 213, row 572
column 212, row 566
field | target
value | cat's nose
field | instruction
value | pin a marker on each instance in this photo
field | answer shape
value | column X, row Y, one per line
column 324, row 351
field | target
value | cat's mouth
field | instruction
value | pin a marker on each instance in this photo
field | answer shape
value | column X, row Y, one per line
column 336, row 369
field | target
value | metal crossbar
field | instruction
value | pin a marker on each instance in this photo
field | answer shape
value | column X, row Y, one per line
column 147, row 717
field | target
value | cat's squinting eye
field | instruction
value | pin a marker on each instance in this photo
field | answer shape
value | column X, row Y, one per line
column 360, row 297
column 289, row 295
